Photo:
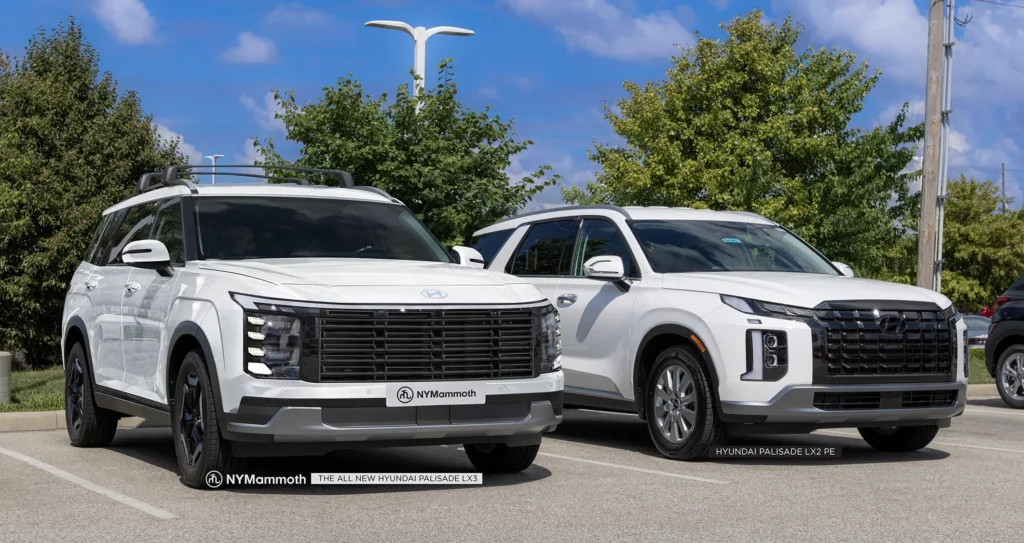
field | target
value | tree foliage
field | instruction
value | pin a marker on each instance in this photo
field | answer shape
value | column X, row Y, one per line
column 749, row 124
column 446, row 162
column 70, row 146
column 983, row 248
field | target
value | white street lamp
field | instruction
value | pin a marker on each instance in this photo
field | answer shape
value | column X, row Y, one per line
column 213, row 158
column 419, row 35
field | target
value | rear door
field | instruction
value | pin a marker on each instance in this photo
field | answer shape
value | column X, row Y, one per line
column 545, row 255
column 147, row 300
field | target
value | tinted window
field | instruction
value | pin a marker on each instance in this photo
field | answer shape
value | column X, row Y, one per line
column 1017, row 287
column 601, row 238
column 92, row 254
column 136, row 225
column 715, row 246
column 547, row 249
column 167, row 228
column 108, row 238
column 490, row 244
column 260, row 227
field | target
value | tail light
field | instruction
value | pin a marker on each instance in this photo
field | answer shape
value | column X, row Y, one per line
column 1002, row 300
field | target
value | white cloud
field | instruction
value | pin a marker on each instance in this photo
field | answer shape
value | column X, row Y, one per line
column 573, row 174
column 266, row 114
column 915, row 112
column 251, row 49
column 720, row 4
column 601, row 28
column 295, row 14
column 191, row 153
column 488, row 92
column 128, row 20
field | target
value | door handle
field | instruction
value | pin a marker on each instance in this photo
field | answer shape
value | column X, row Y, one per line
column 132, row 287
column 568, row 299
column 90, row 285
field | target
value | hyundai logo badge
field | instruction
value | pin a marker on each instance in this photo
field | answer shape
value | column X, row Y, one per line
column 891, row 324
column 434, row 294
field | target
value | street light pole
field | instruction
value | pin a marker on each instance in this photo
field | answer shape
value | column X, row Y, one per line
column 214, row 158
column 419, row 35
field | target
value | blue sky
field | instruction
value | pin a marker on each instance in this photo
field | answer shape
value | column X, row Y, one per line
column 204, row 68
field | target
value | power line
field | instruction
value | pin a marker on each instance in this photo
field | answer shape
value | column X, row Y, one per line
column 997, row 3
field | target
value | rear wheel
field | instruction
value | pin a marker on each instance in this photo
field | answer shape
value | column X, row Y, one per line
column 680, row 407
column 88, row 425
column 500, row 458
column 1010, row 376
column 899, row 438
column 198, row 444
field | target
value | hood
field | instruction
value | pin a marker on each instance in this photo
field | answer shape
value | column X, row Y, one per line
column 378, row 281
column 799, row 289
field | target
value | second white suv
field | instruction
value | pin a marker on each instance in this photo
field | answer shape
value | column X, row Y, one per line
column 708, row 323
column 278, row 319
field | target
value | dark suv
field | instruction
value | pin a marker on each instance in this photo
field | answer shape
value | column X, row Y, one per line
column 1004, row 352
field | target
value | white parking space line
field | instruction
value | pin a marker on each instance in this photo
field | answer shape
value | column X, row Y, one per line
column 631, row 468
column 942, row 442
column 89, row 485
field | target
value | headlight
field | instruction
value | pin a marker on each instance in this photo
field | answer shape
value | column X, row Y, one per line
column 766, row 309
column 272, row 340
column 549, row 340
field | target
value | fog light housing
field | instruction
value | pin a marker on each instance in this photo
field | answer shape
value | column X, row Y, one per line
column 767, row 355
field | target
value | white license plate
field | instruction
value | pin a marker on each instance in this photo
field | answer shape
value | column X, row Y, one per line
column 416, row 394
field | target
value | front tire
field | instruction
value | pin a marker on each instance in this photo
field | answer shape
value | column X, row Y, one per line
column 500, row 458
column 899, row 438
column 680, row 406
column 198, row 444
column 88, row 425
column 1010, row 376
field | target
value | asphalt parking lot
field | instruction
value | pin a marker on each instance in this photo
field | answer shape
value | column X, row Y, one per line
column 597, row 478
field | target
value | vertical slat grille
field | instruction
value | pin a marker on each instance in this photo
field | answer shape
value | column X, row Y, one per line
column 424, row 344
column 861, row 342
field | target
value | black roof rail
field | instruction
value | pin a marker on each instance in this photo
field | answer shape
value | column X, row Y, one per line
column 617, row 209
column 170, row 175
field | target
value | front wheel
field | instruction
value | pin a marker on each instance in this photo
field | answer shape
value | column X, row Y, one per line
column 198, row 444
column 500, row 458
column 1010, row 376
column 680, row 406
column 899, row 438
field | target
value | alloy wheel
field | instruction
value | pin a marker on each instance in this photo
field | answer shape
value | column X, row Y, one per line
column 1011, row 379
column 191, row 422
column 675, row 403
column 75, row 397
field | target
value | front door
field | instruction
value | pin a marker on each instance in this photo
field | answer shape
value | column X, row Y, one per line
column 545, row 255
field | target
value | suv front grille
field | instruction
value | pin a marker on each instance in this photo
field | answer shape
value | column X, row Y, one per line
column 909, row 399
column 421, row 344
column 839, row 401
column 929, row 398
column 876, row 344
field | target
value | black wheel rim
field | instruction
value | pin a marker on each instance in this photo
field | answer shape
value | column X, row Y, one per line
column 75, row 398
column 191, row 421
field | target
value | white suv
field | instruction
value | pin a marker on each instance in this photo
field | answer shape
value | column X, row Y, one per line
column 707, row 323
column 277, row 319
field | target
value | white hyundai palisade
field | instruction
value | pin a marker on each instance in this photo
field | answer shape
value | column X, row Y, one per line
column 707, row 323
column 279, row 319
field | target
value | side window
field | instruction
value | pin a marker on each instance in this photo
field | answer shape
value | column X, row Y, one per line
column 92, row 254
column 112, row 224
column 135, row 226
column 601, row 238
column 168, row 229
column 490, row 244
column 546, row 250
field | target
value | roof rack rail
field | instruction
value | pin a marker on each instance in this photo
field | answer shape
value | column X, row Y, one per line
column 376, row 190
column 170, row 175
column 616, row 209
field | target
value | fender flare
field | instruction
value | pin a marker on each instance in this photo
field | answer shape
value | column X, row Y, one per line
column 193, row 330
column 1004, row 330
column 76, row 322
column 689, row 335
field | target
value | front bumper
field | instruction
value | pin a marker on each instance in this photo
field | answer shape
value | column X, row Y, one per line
column 795, row 405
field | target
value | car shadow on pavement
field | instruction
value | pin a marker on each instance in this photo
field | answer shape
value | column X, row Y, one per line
column 155, row 447
column 628, row 432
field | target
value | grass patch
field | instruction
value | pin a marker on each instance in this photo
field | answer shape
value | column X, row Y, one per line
column 979, row 374
column 37, row 390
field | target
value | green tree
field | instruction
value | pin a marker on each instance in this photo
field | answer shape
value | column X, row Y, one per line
column 983, row 250
column 749, row 124
column 446, row 162
column 70, row 146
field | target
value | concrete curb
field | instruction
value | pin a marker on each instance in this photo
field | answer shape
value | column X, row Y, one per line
column 982, row 391
column 32, row 421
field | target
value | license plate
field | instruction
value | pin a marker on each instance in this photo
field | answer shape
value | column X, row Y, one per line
column 416, row 394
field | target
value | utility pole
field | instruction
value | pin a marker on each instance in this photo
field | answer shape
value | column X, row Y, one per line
column 1002, row 178
column 419, row 35
column 926, row 242
column 213, row 158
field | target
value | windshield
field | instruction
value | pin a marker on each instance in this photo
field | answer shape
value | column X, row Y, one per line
column 285, row 227
column 710, row 246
